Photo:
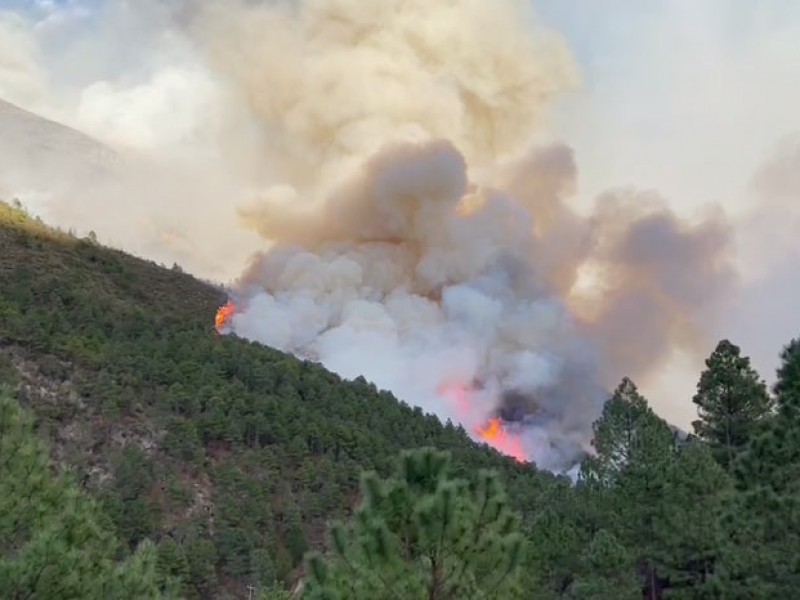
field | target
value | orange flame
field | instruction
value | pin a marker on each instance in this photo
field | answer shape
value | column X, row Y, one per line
column 494, row 434
column 224, row 315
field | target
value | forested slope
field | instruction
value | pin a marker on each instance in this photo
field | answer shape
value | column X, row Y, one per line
column 239, row 453
column 235, row 459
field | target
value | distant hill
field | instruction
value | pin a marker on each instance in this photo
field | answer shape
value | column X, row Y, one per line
column 239, row 453
column 35, row 150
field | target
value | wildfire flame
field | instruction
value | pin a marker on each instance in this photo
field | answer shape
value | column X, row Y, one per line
column 493, row 432
column 224, row 315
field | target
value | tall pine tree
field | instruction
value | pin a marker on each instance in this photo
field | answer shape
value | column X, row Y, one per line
column 688, row 528
column 732, row 402
column 763, row 522
column 661, row 498
column 627, row 436
column 774, row 457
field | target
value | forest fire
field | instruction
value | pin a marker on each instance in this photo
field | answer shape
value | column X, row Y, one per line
column 493, row 432
column 224, row 315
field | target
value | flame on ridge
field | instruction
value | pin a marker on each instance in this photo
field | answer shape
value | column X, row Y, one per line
column 493, row 432
column 224, row 315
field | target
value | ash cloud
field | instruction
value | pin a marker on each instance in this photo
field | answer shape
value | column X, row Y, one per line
column 664, row 278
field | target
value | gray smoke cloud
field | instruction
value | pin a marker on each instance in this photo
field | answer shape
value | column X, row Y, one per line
column 419, row 279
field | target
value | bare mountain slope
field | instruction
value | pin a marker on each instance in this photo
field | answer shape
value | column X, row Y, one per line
column 40, row 156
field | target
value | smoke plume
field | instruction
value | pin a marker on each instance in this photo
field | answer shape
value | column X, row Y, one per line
column 434, row 246
column 391, row 164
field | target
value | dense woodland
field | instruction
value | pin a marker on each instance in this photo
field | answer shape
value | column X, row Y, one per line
column 144, row 456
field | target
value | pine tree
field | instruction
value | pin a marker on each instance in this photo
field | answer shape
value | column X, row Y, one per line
column 763, row 522
column 787, row 388
column 607, row 572
column 774, row 457
column 295, row 539
column 422, row 534
column 627, row 435
column 201, row 554
column 688, row 529
column 634, row 452
column 558, row 536
column 172, row 564
column 263, row 569
column 732, row 401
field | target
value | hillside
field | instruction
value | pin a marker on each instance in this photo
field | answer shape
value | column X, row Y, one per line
column 234, row 460
column 230, row 448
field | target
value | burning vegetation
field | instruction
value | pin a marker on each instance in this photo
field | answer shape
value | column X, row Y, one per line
column 224, row 316
column 496, row 435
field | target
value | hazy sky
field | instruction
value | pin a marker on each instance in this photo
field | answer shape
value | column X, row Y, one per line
column 683, row 96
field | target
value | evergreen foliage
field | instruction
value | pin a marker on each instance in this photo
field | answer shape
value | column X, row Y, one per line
column 144, row 456
column 732, row 401
column 763, row 522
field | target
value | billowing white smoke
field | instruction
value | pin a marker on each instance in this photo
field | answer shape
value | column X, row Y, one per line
column 332, row 81
column 419, row 281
